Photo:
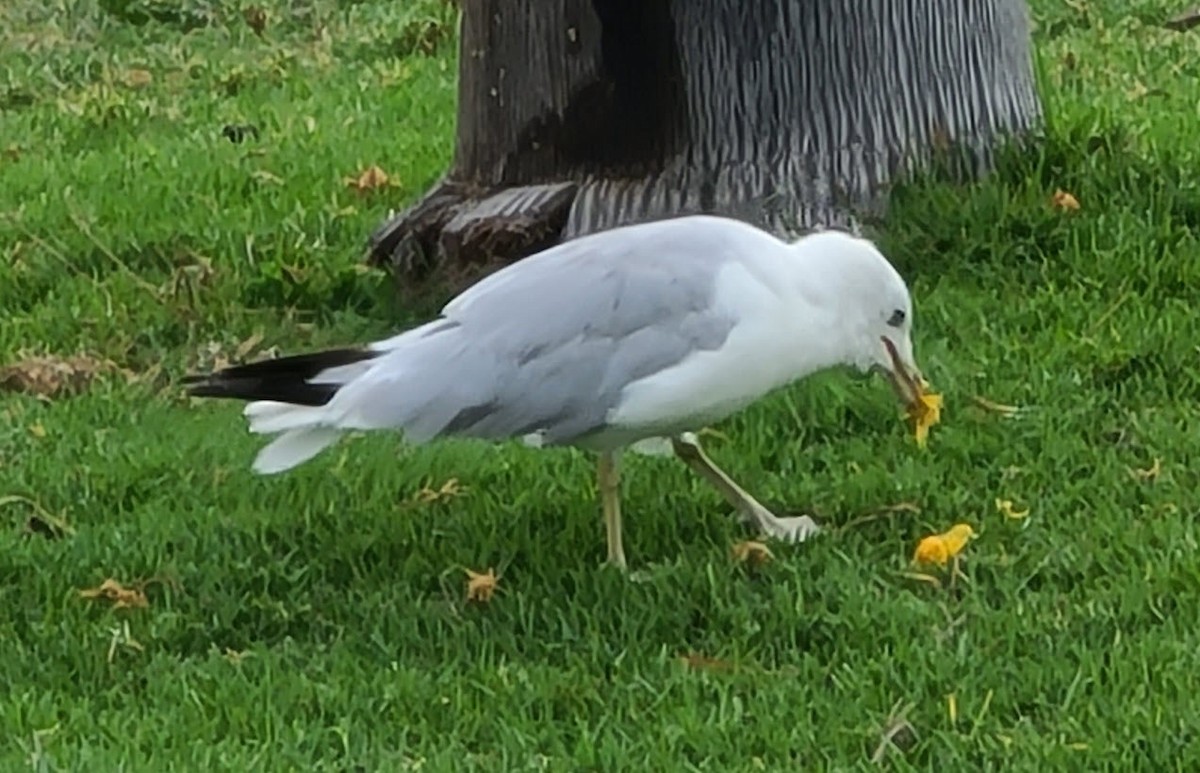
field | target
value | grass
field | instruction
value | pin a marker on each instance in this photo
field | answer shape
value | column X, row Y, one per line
column 317, row 621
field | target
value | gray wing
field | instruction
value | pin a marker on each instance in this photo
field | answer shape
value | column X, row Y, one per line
column 547, row 344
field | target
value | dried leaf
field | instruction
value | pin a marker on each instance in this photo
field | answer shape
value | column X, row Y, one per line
column 755, row 552
column 1006, row 506
column 50, row 376
column 704, row 663
column 371, row 178
column 138, row 78
column 1064, row 201
column 450, row 489
column 11, row 153
column 117, row 593
column 480, row 587
column 245, row 347
column 37, row 430
column 940, row 548
column 1150, row 473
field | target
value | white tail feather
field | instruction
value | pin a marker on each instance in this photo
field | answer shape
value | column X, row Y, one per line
column 268, row 418
column 294, row 447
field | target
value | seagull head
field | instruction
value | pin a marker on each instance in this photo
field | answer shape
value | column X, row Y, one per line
column 872, row 308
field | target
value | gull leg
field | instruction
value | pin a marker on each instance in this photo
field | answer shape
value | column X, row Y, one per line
column 608, row 475
column 798, row 529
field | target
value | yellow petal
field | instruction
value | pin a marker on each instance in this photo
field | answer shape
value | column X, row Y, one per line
column 1006, row 506
column 925, row 412
column 931, row 550
column 956, row 538
column 940, row 548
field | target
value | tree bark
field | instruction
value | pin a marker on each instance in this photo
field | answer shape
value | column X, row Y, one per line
column 580, row 115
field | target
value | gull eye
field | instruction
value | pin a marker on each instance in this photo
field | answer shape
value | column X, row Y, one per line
column 897, row 318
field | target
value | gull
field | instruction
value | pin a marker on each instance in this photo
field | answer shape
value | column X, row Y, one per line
column 635, row 336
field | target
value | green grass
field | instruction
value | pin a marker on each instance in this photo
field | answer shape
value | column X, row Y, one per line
column 132, row 230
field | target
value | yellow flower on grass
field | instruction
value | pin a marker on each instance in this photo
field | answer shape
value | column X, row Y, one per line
column 940, row 548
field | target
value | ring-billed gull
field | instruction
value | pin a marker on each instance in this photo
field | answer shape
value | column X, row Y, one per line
column 639, row 334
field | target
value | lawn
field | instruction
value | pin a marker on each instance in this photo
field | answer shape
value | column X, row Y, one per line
column 318, row 620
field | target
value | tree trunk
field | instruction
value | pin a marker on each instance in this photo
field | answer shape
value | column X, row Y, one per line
column 579, row 115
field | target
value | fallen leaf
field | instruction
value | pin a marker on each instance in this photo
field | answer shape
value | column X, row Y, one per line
column 245, row 347
column 450, row 489
column 940, row 548
column 704, row 663
column 117, row 593
column 236, row 656
column 138, row 78
column 1063, row 200
column 480, row 587
column 37, row 430
column 755, row 552
column 12, row 152
column 1006, row 506
column 1150, row 473
column 50, row 376
column 371, row 178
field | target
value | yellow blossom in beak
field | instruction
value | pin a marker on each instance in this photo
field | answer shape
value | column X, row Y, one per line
column 924, row 408
column 924, row 412
column 940, row 548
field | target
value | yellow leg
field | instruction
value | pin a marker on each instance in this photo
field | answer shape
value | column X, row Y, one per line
column 796, row 529
column 609, row 478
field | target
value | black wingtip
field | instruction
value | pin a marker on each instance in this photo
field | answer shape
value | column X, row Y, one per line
column 285, row 379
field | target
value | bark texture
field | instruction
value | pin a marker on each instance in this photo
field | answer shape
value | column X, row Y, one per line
column 579, row 115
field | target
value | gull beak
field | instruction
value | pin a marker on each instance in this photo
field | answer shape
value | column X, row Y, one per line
column 906, row 378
